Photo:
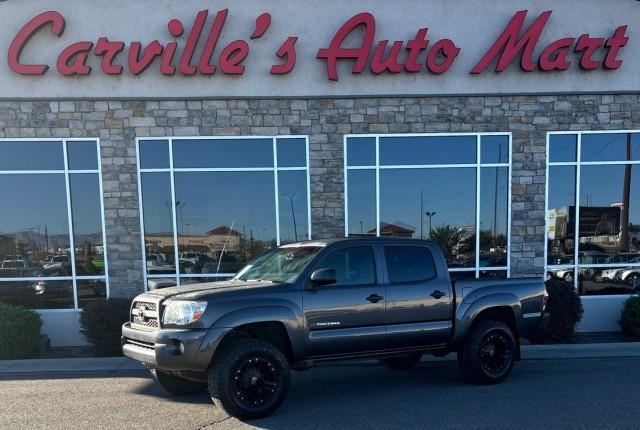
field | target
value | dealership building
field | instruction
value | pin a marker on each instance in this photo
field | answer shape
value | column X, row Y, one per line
column 152, row 143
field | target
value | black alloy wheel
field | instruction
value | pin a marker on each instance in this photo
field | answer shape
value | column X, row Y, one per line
column 256, row 383
column 249, row 378
column 496, row 354
column 488, row 353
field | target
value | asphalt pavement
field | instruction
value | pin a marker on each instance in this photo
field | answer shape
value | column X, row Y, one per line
column 587, row 393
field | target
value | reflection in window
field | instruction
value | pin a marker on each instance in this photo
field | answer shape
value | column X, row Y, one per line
column 31, row 155
column 416, row 150
column 361, row 151
column 87, row 224
column 412, row 205
column 292, row 189
column 361, row 202
column 234, row 153
column 42, row 262
column 34, row 226
column 428, row 189
column 606, row 205
column 224, row 219
column 560, row 216
column 230, row 205
column 158, row 223
column 154, row 154
column 494, row 215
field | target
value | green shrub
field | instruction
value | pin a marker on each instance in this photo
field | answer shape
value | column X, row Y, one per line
column 630, row 316
column 101, row 323
column 19, row 332
column 565, row 309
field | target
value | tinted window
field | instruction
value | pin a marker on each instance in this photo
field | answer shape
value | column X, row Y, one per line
column 292, row 152
column 610, row 147
column 83, row 155
column 494, row 149
column 39, row 155
column 409, row 264
column 563, row 147
column 353, row 266
column 362, row 202
column 415, row 150
column 361, row 151
column 221, row 153
column 154, row 154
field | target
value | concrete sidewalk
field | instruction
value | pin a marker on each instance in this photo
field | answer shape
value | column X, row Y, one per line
column 123, row 365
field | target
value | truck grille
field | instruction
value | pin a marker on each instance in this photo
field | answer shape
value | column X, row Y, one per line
column 145, row 315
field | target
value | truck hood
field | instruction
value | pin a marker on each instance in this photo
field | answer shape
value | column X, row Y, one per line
column 197, row 291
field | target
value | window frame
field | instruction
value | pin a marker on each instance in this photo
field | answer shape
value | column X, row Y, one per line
column 67, row 172
column 478, row 165
column 577, row 164
column 171, row 170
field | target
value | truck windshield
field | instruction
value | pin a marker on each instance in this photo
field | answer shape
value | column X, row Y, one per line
column 281, row 265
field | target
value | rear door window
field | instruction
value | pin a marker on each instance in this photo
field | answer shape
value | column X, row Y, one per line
column 409, row 264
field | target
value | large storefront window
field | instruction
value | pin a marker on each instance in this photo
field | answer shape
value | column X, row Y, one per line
column 452, row 189
column 230, row 200
column 52, row 240
column 594, row 195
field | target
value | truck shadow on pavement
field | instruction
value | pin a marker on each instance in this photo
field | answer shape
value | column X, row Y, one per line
column 343, row 396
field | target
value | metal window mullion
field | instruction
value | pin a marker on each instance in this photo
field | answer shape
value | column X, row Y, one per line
column 176, row 257
column 32, row 172
column 276, row 190
column 141, row 213
column 309, row 236
column 70, row 224
column 576, row 243
column 509, row 197
column 428, row 166
column 378, row 232
column 102, row 219
column 477, row 232
column 221, row 169
column 346, row 185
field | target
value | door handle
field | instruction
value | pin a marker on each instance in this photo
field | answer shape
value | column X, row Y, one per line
column 374, row 298
column 437, row 294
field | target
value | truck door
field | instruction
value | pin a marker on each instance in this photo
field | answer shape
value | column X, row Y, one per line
column 348, row 316
column 419, row 305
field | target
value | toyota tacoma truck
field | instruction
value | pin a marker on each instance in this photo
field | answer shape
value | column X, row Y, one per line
column 314, row 302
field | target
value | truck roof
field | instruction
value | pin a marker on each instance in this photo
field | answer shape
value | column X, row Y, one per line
column 357, row 239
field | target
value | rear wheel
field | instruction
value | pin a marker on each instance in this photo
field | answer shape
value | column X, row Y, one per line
column 249, row 378
column 176, row 385
column 489, row 353
column 402, row 362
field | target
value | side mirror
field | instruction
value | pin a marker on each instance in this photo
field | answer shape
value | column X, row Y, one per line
column 322, row 277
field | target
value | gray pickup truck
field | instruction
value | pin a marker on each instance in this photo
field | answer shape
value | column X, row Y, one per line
column 313, row 302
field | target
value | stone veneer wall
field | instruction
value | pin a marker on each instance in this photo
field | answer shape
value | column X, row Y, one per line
column 118, row 123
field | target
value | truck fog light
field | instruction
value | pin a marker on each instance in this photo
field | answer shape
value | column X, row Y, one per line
column 181, row 348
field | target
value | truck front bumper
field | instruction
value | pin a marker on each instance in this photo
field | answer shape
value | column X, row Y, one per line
column 171, row 349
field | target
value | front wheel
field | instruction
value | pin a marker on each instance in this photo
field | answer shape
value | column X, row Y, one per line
column 489, row 353
column 176, row 385
column 402, row 362
column 249, row 379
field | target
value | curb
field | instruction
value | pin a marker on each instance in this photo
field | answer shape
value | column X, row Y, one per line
column 124, row 365
column 566, row 351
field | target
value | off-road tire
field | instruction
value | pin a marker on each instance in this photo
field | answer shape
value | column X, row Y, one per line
column 402, row 362
column 176, row 385
column 474, row 360
column 229, row 369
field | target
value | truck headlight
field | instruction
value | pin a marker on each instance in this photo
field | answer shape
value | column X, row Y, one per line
column 183, row 313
